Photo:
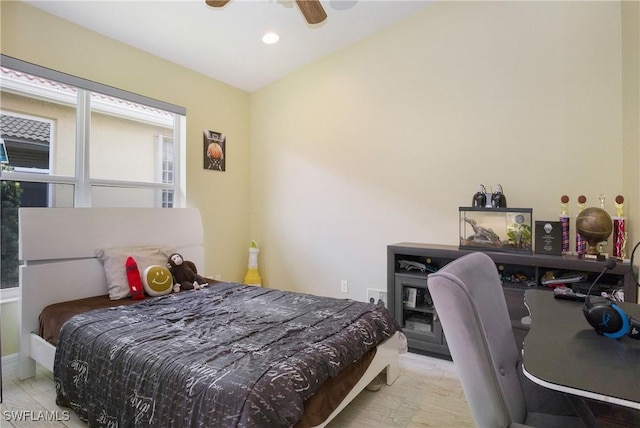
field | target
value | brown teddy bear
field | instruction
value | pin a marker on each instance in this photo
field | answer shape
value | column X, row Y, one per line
column 185, row 275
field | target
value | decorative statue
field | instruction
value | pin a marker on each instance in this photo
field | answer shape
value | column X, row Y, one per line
column 482, row 234
column 253, row 276
column 619, row 230
column 581, row 244
column 594, row 225
column 564, row 222
column 619, row 202
column 564, row 200
column 498, row 199
column 480, row 198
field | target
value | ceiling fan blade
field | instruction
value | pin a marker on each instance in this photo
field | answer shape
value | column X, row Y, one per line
column 217, row 3
column 312, row 11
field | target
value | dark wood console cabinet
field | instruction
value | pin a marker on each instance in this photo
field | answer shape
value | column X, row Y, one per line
column 410, row 303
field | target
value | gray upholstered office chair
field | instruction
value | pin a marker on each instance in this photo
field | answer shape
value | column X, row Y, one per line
column 468, row 297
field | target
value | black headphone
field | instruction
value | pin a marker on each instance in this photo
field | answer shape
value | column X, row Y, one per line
column 607, row 318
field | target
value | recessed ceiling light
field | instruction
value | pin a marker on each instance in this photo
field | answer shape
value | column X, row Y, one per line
column 270, row 38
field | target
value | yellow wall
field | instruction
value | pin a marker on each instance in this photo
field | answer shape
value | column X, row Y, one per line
column 382, row 141
column 9, row 326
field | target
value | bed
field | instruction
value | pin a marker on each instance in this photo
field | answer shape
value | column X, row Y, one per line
column 58, row 246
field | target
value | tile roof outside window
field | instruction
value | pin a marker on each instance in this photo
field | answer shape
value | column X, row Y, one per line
column 24, row 129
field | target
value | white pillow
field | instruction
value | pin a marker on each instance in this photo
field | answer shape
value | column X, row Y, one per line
column 114, row 258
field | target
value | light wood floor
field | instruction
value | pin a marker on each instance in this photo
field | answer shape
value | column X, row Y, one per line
column 427, row 394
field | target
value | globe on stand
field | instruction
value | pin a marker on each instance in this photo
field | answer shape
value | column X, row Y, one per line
column 594, row 225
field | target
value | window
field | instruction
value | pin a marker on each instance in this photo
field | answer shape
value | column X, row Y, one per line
column 28, row 139
column 167, row 167
column 76, row 143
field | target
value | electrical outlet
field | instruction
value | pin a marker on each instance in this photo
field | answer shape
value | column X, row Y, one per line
column 344, row 286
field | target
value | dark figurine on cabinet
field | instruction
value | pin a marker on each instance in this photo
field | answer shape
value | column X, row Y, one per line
column 480, row 198
column 498, row 199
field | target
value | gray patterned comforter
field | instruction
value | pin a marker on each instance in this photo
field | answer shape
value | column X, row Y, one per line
column 229, row 355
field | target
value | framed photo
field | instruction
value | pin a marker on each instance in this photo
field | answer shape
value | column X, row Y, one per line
column 410, row 297
column 214, row 151
column 549, row 238
column 377, row 296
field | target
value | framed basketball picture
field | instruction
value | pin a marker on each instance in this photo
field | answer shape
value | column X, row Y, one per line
column 214, row 151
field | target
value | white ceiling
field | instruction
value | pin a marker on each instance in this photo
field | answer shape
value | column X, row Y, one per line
column 225, row 43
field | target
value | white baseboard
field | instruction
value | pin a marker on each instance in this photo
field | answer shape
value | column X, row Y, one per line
column 9, row 364
column 9, row 295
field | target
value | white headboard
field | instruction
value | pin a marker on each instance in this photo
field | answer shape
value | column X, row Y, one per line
column 57, row 251
column 71, row 233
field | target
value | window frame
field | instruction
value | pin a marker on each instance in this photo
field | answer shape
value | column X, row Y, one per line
column 81, row 180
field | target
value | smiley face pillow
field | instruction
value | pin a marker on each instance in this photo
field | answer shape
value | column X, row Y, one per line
column 157, row 280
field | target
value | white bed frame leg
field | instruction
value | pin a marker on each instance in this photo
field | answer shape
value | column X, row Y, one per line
column 38, row 351
column 26, row 367
column 393, row 372
column 26, row 364
column 390, row 355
